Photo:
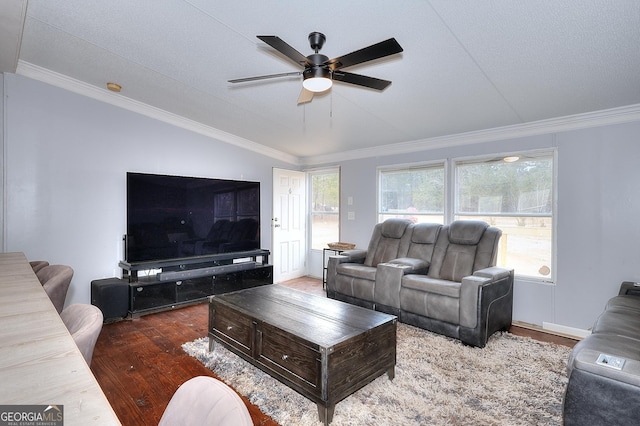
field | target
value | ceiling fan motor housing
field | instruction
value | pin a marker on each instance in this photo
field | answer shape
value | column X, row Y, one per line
column 316, row 72
column 316, row 40
column 318, row 69
column 317, row 59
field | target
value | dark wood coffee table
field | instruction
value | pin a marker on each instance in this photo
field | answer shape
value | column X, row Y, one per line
column 322, row 348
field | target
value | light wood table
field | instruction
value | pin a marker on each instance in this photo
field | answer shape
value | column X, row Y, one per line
column 40, row 363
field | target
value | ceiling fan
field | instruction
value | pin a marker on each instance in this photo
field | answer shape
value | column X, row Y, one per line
column 319, row 71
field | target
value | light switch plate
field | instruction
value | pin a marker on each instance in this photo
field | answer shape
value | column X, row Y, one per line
column 351, row 215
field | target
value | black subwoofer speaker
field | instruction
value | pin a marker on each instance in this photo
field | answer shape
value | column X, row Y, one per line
column 111, row 295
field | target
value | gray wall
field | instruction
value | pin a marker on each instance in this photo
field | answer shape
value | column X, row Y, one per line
column 66, row 157
column 597, row 231
column 66, row 161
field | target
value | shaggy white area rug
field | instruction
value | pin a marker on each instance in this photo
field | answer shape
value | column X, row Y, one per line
column 438, row 381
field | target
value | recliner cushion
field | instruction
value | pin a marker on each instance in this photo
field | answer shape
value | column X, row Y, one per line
column 462, row 248
column 432, row 306
column 466, row 232
column 386, row 242
column 393, row 228
column 425, row 233
column 458, row 262
column 357, row 270
column 624, row 301
column 618, row 321
column 487, row 251
column 431, row 285
column 423, row 240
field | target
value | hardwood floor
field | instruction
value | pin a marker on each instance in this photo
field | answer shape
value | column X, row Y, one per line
column 139, row 363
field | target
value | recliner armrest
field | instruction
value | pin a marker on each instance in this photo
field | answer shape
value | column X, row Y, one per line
column 494, row 273
column 586, row 360
column 389, row 279
column 388, row 282
column 355, row 255
column 412, row 266
column 629, row 288
column 472, row 297
column 347, row 256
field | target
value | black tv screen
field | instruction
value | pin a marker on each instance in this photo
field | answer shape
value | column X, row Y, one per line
column 170, row 217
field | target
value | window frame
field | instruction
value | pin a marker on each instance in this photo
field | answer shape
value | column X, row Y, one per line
column 320, row 171
column 540, row 153
column 450, row 187
column 408, row 167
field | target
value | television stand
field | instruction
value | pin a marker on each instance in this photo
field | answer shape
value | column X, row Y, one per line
column 161, row 285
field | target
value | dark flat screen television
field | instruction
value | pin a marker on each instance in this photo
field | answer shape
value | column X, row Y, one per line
column 172, row 217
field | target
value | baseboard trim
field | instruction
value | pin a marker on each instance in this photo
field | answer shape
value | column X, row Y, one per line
column 555, row 329
column 577, row 333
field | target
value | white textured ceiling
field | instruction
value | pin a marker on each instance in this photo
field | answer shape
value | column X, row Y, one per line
column 466, row 66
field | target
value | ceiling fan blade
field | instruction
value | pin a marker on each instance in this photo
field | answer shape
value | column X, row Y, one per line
column 264, row 77
column 305, row 96
column 288, row 51
column 361, row 80
column 375, row 51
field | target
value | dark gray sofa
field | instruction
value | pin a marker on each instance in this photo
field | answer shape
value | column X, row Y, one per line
column 604, row 367
column 440, row 278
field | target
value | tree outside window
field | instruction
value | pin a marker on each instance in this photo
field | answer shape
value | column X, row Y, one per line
column 516, row 197
column 416, row 194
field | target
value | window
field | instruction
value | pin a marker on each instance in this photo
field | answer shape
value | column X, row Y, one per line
column 517, row 197
column 325, row 207
column 415, row 193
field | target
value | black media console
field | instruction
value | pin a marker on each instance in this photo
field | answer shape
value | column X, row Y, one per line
column 160, row 285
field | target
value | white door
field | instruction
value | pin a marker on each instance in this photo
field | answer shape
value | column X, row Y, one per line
column 288, row 224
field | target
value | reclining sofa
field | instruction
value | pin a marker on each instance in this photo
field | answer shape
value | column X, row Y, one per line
column 441, row 278
column 604, row 367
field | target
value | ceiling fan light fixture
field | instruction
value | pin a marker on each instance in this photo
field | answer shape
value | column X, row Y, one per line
column 317, row 84
column 317, row 79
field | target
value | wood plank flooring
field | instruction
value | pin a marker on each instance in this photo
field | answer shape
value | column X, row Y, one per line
column 139, row 363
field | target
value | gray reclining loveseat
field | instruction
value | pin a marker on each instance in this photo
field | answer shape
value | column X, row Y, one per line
column 604, row 367
column 440, row 278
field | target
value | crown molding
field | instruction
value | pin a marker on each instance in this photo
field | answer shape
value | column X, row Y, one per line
column 59, row 80
column 618, row 115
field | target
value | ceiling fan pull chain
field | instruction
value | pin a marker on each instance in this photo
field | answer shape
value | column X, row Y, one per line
column 331, row 105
